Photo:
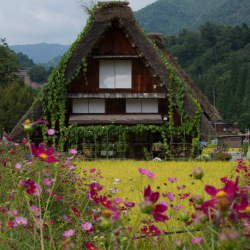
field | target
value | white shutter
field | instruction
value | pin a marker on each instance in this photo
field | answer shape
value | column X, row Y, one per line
column 123, row 74
column 96, row 106
column 149, row 105
column 107, row 74
column 80, row 106
column 133, row 105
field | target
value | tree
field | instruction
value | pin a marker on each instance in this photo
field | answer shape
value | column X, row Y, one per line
column 244, row 122
column 38, row 74
column 15, row 100
column 24, row 60
column 9, row 64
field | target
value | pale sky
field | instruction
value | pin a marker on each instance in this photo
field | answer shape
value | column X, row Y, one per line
column 50, row 21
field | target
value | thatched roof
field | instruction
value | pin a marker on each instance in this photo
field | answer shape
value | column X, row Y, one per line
column 124, row 19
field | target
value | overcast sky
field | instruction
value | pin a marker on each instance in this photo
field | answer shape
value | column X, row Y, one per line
column 50, row 21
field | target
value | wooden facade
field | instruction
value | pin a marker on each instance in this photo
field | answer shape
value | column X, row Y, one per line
column 115, row 46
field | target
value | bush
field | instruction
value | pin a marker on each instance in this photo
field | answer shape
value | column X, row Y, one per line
column 203, row 157
column 157, row 159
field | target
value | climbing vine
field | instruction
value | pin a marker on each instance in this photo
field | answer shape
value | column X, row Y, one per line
column 53, row 98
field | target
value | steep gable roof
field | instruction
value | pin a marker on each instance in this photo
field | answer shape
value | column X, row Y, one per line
column 122, row 16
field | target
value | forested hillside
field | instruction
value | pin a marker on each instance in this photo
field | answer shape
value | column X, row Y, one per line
column 169, row 16
column 221, row 55
column 232, row 12
column 42, row 52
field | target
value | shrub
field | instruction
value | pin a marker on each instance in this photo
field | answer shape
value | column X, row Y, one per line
column 203, row 157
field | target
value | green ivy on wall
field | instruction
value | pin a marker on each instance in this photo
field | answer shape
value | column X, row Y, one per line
column 53, row 98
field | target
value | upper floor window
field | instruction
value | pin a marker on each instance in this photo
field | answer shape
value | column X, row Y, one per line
column 115, row 74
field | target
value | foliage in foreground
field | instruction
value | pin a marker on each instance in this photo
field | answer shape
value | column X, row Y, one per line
column 48, row 204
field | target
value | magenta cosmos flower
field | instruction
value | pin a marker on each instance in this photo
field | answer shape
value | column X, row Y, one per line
column 151, row 175
column 92, row 170
column 243, row 209
column 51, row 131
column 42, row 153
column 169, row 195
column 149, row 207
column 91, row 246
column 222, row 197
column 28, row 185
column 197, row 240
column 143, row 171
column 118, row 201
column 129, row 204
column 173, row 179
column 183, row 196
column 27, row 125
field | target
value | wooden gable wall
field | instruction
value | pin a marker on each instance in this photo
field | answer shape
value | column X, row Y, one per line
column 115, row 43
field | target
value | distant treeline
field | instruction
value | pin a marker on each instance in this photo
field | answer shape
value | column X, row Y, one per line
column 219, row 55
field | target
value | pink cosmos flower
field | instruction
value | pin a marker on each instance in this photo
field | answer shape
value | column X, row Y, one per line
column 23, row 141
column 177, row 207
column 35, row 210
column 38, row 190
column 169, row 195
column 151, row 175
column 18, row 166
column 46, row 172
column 70, row 158
column 44, row 154
column 86, row 226
column 92, row 170
column 173, row 179
column 51, row 131
column 65, row 217
column 12, row 212
column 129, row 204
column 39, row 223
column 148, row 206
column 21, row 221
column 16, row 145
column 69, row 233
column 71, row 167
column 118, row 201
column 73, row 151
column 46, row 182
column 84, row 170
column 197, row 240
column 143, row 171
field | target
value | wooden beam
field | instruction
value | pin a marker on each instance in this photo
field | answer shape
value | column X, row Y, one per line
column 113, row 57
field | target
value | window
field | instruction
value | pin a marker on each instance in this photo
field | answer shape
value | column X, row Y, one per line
column 225, row 129
column 86, row 106
column 142, row 106
column 115, row 74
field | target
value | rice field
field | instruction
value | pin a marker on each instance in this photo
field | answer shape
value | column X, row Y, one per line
column 132, row 182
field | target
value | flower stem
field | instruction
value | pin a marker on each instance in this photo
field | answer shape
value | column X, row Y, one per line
column 134, row 228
